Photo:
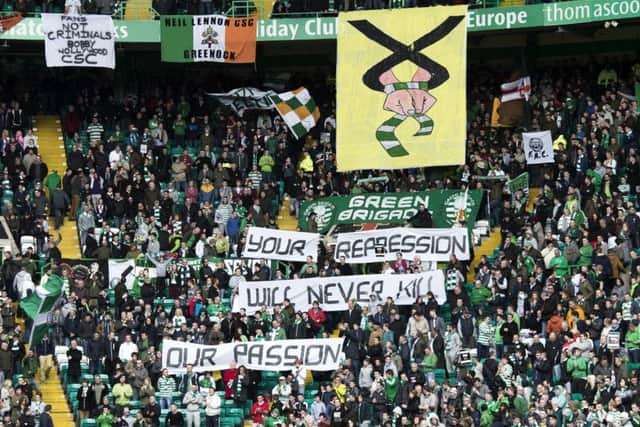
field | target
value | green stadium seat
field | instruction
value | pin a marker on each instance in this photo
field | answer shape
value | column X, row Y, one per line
column 633, row 366
column 234, row 412
column 168, row 304
column 88, row 422
column 72, row 390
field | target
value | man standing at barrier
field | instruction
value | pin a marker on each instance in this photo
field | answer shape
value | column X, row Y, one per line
column 193, row 402
column 166, row 387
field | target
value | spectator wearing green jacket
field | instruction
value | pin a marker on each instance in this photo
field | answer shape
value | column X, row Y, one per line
column 632, row 340
column 560, row 264
column 122, row 392
column 274, row 419
column 266, row 164
column 106, row 418
column 390, row 386
column 52, row 181
column 277, row 332
column 30, row 366
column 578, row 369
column 429, row 363
column 480, row 295
column 586, row 253
column 179, row 130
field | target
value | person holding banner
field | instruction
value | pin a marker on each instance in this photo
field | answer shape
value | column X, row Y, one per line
column 72, row 7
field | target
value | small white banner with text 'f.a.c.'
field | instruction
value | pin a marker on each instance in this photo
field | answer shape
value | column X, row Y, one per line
column 538, row 147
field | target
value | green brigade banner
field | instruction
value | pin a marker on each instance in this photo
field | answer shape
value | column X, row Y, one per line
column 401, row 88
column 208, row 38
column 519, row 183
column 445, row 206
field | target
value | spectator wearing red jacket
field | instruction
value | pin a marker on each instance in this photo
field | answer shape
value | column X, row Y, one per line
column 71, row 121
column 259, row 409
column 400, row 265
column 228, row 376
column 317, row 315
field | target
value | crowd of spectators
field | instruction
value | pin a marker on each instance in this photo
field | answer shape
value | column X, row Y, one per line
column 546, row 333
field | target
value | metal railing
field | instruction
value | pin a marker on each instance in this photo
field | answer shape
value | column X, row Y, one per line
column 122, row 9
column 240, row 8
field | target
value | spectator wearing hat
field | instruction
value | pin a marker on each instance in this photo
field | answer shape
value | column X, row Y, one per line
column 282, row 390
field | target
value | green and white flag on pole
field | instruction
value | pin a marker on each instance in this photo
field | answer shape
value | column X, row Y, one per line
column 39, row 306
column 298, row 110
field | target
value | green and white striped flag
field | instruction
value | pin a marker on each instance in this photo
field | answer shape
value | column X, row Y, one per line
column 298, row 110
column 39, row 306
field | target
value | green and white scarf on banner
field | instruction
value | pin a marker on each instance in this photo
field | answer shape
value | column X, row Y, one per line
column 386, row 132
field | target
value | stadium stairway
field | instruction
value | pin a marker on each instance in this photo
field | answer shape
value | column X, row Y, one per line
column 138, row 10
column 487, row 247
column 53, row 394
column 284, row 220
column 50, row 140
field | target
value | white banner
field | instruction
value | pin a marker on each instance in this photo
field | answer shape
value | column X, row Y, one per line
column 333, row 293
column 79, row 40
column 267, row 243
column 518, row 89
column 117, row 267
column 429, row 244
column 316, row 354
column 538, row 147
column 245, row 98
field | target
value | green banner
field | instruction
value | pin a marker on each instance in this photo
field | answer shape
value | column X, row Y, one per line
column 520, row 183
column 126, row 31
column 326, row 28
column 392, row 208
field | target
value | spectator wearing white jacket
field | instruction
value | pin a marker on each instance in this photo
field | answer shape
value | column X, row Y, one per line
column 193, row 402
column 127, row 348
column 299, row 373
column 212, row 408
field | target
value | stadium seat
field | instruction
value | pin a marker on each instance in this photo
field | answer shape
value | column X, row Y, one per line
column 234, row 412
